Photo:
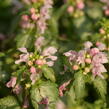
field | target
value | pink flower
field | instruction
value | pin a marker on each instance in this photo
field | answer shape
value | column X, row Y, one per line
column 75, row 67
column 49, row 51
column 50, row 63
column 53, row 58
column 12, row 82
column 102, row 31
column 94, row 51
column 25, row 17
column 17, row 90
column 70, row 9
column 33, row 69
column 88, row 44
column 98, row 69
column 107, row 12
column 80, row 5
column 40, row 62
column 39, row 42
column 101, row 46
column 34, row 16
column 23, row 57
column 33, row 77
column 63, row 87
column 100, row 58
column 41, row 25
column 88, row 60
column 32, row 10
column 81, row 57
column 23, row 50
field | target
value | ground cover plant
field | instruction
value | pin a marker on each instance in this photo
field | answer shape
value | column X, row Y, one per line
column 54, row 54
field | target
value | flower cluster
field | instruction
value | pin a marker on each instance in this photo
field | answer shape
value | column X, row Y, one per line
column 106, row 7
column 37, row 59
column 37, row 16
column 76, row 8
column 90, row 59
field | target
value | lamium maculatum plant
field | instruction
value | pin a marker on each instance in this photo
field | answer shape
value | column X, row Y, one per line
column 54, row 54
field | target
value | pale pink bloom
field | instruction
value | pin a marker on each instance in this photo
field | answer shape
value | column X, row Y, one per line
column 33, row 69
column 101, row 46
column 17, row 89
column 23, row 57
column 98, row 69
column 100, row 58
column 94, row 51
column 80, row 5
column 45, row 12
column 75, row 67
column 88, row 44
column 12, row 82
column 23, row 50
column 72, row 55
column 33, row 77
column 50, row 63
column 63, row 87
column 106, row 12
column 49, row 51
column 25, row 17
column 41, row 25
column 70, row 9
column 81, row 57
column 34, row 16
column 32, row 10
column 53, row 58
column 102, row 31
column 88, row 60
column 39, row 42
column 40, row 62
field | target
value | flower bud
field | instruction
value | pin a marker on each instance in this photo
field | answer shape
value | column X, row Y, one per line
column 75, row 67
column 34, row 16
column 30, row 63
column 33, row 69
column 32, row 10
column 106, row 12
column 80, row 5
column 102, row 31
column 70, row 9
column 88, row 60
column 40, row 62
column 25, row 17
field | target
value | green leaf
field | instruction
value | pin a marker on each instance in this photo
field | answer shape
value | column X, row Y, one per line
column 79, row 85
column 49, row 89
column 25, row 39
column 71, row 95
column 9, row 102
column 43, row 90
column 101, row 86
column 48, row 73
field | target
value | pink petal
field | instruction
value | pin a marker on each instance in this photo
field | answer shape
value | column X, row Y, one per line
column 24, row 50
